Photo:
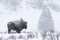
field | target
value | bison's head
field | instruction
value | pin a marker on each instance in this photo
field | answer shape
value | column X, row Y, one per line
column 24, row 25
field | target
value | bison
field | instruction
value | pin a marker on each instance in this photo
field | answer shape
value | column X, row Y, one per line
column 17, row 25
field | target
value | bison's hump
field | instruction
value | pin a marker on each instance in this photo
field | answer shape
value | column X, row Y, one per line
column 17, row 23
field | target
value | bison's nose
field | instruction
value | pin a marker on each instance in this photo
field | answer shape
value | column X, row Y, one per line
column 25, row 27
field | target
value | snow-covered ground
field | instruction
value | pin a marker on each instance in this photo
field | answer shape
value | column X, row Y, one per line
column 30, row 36
column 21, row 36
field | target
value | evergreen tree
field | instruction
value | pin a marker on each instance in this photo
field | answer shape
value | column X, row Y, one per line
column 46, row 22
column 11, row 4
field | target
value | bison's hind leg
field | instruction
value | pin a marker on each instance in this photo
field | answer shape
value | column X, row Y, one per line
column 10, row 26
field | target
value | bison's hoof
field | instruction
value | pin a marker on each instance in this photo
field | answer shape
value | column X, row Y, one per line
column 18, row 31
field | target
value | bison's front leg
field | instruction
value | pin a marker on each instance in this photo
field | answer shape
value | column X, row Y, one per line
column 18, row 31
column 9, row 30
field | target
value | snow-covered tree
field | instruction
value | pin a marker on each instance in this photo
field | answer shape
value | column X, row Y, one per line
column 0, row 38
column 46, row 22
column 11, row 4
column 57, row 36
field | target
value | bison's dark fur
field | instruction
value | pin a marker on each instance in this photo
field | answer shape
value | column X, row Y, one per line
column 17, row 25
